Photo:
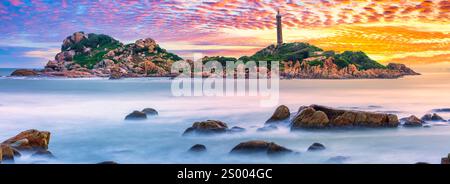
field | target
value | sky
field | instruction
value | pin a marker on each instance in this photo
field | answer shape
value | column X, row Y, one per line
column 402, row 31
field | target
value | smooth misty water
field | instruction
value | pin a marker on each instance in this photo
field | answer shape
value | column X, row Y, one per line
column 85, row 117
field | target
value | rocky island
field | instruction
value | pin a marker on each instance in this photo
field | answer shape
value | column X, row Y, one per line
column 99, row 55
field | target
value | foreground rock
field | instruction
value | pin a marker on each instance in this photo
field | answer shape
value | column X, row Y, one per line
column 432, row 117
column 7, row 153
column 316, row 147
column 30, row 140
column 24, row 73
column 413, row 121
column 281, row 113
column 150, row 112
column 197, row 148
column 316, row 116
column 258, row 146
column 207, row 127
column 136, row 115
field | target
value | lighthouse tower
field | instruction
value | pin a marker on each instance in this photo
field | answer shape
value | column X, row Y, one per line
column 279, row 30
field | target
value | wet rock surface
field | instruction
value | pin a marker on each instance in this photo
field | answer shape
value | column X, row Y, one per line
column 150, row 112
column 207, row 127
column 432, row 117
column 316, row 147
column 136, row 115
column 413, row 121
column 318, row 117
column 33, row 141
column 197, row 148
column 281, row 113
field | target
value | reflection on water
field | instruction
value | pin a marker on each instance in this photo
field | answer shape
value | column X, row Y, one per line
column 85, row 117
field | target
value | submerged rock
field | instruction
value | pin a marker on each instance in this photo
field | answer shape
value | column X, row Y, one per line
column 198, row 148
column 43, row 154
column 258, row 146
column 30, row 140
column 267, row 128
column 108, row 163
column 442, row 110
column 24, row 73
column 136, row 115
column 316, row 116
column 337, row 160
column 207, row 127
column 413, row 121
column 280, row 114
column 316, row 147
column 432, row 117
column 236, row 129
column 150, row 112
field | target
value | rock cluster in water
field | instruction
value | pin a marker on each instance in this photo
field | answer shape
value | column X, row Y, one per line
column 317, row 117
column 141, row 115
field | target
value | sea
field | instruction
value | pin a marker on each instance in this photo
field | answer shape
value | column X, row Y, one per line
column 86, row 120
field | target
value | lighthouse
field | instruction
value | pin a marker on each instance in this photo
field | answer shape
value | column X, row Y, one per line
column 279, row 30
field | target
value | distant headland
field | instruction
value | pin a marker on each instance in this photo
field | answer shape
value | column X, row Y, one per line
column 98, row 55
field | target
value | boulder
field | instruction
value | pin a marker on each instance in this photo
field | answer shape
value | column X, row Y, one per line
column 316, row 147
column 446, row 160
column 280, row 114
column 207, row 127
column 432, row 117
column 24, row 73
column 316, row 116
column 198, row 148
column 30, row 140
column 267, row 128
column 257, row 146
column 150, row 112
column 43, row 154
column 136, row 115
column 310, row 118
column 413, row 121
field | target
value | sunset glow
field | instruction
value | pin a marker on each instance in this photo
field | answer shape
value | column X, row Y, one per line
column 400, row 30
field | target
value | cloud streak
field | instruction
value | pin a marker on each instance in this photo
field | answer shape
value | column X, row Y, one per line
column 379, row 27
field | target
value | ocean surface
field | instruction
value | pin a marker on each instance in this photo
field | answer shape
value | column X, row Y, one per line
column 86, row 119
